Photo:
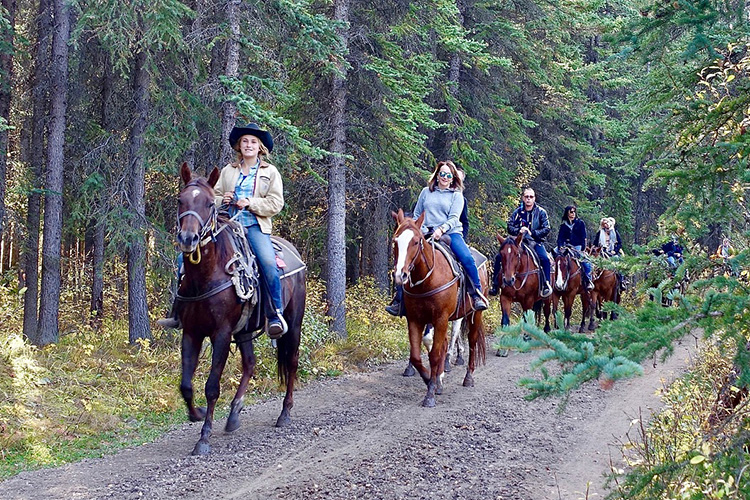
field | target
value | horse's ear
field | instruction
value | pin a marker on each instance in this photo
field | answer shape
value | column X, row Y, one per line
column 519, row 239
column 499, row 238
column 213, row 177
column 185, row 173
column 398, row 217
column 420, row 220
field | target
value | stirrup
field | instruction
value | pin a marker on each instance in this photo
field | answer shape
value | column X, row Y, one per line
column 546, row 290
column 277, row 326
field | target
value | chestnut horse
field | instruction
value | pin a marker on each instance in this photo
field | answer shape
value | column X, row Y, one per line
column 431, row 297
column 606, row 287
column 518, row 279
column 568, row 283
column 209, row 307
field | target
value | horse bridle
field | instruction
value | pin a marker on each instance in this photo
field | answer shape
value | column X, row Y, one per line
column 205, row 228
column 524, row 274
column 567, row 278
column 420, row 252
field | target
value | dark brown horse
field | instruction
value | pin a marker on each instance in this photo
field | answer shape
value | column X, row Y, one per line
column 431, row 297
column 568, row 283
column 518, row 279
column 606, row 287
column 209, row 307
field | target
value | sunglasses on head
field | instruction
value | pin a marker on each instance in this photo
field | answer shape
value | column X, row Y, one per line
column 446, row 175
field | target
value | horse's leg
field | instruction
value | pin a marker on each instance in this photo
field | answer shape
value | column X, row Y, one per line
column 218, row 361
column 247, row 352
column 457, row 341
column 415, row 349
column 474, row 324
column 191, row 347
column 568, row 299
column 555, row 299
column 546, row 310
column 437, row 360
column 505, row 304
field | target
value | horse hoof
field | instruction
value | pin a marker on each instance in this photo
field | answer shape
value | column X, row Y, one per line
column 460, row 361
column 410, row 371
column 447, row 366
column 502, row 353
column 198, row 416
column 201, row 448
column 233, row 423
column 468, row 380
column 429, row 402
column 283, row 421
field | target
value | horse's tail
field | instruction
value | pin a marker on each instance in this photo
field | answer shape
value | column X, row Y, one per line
column 480, row 347
column 286, row 352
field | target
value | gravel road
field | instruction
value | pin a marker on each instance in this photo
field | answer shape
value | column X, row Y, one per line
column 365, row 436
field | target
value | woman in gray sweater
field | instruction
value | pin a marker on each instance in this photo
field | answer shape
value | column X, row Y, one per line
column 442, row 202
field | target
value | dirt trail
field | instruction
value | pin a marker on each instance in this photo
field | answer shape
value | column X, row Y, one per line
column 365, row 436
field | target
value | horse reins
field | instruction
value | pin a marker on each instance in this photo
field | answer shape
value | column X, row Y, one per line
column 429, row 273
column 524, row 274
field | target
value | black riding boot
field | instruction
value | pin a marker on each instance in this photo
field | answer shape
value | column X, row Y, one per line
column 396, row 307
column 478, row 302
column 173, row 319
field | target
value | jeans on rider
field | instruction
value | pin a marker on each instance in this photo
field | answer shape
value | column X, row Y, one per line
column 586, row 265
column 463, row 253
column 674, row 262
column 546, row 267
column 269, row 273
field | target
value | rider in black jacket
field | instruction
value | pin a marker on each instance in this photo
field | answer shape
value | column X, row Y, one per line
column 532, row 220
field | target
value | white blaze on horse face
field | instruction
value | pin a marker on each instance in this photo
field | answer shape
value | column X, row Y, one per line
column 559, row 283
column 402, row 243
column 195, row 192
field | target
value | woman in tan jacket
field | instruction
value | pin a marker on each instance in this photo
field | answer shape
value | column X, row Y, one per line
column 253, row 187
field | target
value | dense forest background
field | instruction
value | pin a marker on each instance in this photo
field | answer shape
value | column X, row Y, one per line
column 631, row 109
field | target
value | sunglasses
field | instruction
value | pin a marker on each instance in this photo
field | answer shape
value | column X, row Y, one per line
column 446, row 175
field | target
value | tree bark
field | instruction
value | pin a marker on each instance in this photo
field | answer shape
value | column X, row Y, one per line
column 35, row 160
column 49, row 305
column 229, row 110
column 6, row 86
column 336, row 282
column 138, row 325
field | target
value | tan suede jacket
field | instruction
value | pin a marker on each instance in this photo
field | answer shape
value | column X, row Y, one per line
column 268, row 192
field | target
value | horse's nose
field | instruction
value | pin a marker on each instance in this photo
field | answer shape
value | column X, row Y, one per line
column 187, row 240
column 509, row 282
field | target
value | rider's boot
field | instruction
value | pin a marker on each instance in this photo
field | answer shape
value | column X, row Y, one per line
column 172, row 320
column 479, row 302
column 396, row 307
column 588, row 282
column 277, row 326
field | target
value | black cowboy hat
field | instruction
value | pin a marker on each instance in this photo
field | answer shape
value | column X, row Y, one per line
column 251, row 129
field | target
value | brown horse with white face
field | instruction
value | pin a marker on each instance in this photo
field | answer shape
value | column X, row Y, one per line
column 431, row 297
column 518, row 279
column 209, row 307
column 568, row 283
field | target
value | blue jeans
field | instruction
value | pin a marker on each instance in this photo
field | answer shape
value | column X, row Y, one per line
column 459, row 247
column 586, row 265
column 673, row 262
column 269, row 273
column 543, row 260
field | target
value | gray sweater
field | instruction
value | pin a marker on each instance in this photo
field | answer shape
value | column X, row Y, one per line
column 442, row 208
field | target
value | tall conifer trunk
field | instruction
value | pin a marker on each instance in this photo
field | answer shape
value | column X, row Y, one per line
column 35, row 160
column 49, row 306
column 138, row 325
column 336, row 282
column 229, row 110
column 6, row 86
